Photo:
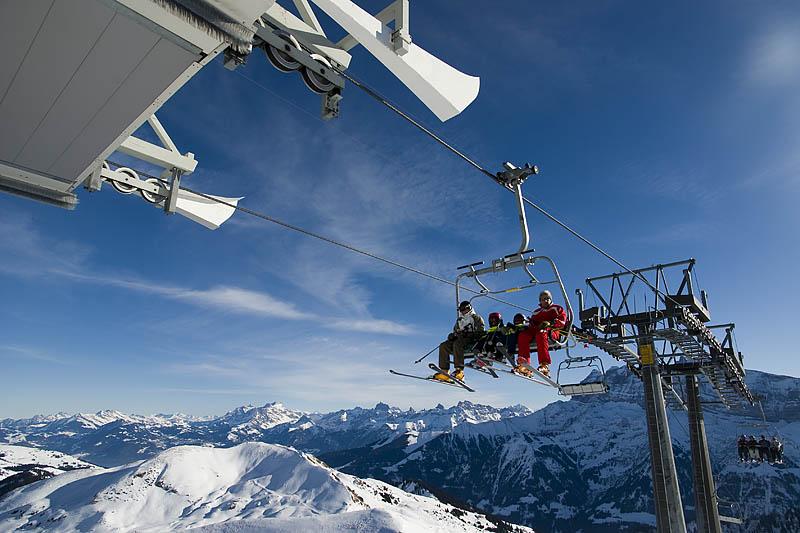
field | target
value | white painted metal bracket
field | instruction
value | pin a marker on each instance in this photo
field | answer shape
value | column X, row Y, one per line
column 397, row 13
column 167, row 156
column 443, row 89
column 161, row 192
column 211, row 211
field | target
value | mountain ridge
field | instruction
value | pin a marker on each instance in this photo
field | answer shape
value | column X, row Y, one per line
column 251, row 486
column 577, row 463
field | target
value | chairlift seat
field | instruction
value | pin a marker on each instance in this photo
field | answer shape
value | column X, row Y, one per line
column 597, row 386
column 584, row 389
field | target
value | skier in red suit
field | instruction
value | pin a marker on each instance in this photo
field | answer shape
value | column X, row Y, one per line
column 544, row 324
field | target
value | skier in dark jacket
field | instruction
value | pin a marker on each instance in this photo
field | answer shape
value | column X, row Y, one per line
column 752, row 448
column 763, row 449
column 776, row 450
column 512, row 333
column 495, row 337
column 469, row 327
column 742, row 444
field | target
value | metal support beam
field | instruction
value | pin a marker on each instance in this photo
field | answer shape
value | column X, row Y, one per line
column 705, row 495
column 396, row 12
column 174, row 187
column 666, row 492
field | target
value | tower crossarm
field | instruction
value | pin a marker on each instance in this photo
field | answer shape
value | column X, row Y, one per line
column 723, row 368
column 691, row 348
column 616, row 348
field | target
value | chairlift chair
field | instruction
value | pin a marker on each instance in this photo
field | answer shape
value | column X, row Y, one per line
column 732, row 512
column 597, row 385
column 512, row 178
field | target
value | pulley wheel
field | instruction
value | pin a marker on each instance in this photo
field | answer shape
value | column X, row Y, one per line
column 281, row 60
column 124, row 188
column 149, row 196
column 316, row 82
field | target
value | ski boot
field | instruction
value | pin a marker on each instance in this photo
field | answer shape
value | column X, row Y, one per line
column 459, row 374
column 544, row 370
column 523, row 371
column 441, row 376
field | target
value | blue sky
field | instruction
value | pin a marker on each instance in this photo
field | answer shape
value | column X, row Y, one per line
column 663, row 132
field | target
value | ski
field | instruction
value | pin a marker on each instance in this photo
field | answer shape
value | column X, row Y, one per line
column 461, row 383
column 509, row 369
column 528, row 378
column 540, row 375
column 486, row 368
column 424, row 378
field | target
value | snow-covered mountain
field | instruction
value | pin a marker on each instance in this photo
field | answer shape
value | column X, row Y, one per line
column 354, row 429
column 126, row 438
column 111, row 438
column 21, row 465
column 249, row 487
column 583, row 463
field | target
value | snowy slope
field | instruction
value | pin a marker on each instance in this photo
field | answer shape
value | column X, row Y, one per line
column 111, row 438
column 359, row 428
column 249, row 487
column 577, row 463
column 20, row 465
column 585, row 464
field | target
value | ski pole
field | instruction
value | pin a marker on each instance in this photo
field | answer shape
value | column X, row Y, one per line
column 426, row 355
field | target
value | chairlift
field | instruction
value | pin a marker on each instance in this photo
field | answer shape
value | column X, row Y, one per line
column 512, row 178
column 597, row 385
column 755, row 450
column 729, row 512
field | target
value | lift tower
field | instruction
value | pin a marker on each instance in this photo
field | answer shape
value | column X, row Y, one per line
column 667, row 344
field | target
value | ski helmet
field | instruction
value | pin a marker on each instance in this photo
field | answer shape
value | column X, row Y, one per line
column 519, row 319
column 465, row 306
column 495, row 319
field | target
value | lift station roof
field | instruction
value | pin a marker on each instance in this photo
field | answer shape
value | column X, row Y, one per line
column 76, row 78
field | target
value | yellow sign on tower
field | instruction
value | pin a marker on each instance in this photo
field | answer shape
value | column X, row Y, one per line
column 646, row 353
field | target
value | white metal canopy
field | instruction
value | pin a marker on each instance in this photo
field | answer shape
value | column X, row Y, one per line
column 78, row 77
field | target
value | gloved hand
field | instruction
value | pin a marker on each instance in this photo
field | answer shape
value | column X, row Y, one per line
column 451, row 337
column 544, row 325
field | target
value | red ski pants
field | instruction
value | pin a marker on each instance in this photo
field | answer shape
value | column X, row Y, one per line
column 542, row 337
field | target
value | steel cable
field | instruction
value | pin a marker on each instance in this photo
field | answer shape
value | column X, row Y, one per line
column 329, row 240
column 469, row 160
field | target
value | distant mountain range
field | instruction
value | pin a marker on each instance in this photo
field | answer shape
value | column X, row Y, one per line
column 577, row 464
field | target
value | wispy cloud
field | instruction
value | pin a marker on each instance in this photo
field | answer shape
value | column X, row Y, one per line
column 24, row 352
column 243, row 300
column 29, row 253
column 393, row 196
column 228, row 392
column 372, row 326
column 343, row 375
column 774, row 56
column 33, row 254
column 232, row 299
